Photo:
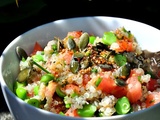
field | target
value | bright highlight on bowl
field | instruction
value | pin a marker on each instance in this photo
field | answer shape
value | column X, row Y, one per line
column 83, row 72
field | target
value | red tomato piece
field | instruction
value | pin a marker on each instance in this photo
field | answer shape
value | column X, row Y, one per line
column 125, row 45
column 152, row 84
column 119, row 91
column 75, row 34
column 37, row 47
column 152, row 99
column 107, row 85
column 134, row 90
column 72, row 113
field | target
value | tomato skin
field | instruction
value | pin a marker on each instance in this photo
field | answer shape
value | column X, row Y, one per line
column 108, row 86
column 152, row 84
column 74, row 34
column 125, row 45
column 119, row 91
column 134, row 89
column 72, row 113
column 37, row 47
column 152, row 99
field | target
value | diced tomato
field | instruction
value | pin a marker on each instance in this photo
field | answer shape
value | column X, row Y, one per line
column 134, row 90
column 86, row 78
column 119, row 91
column 152, row 99
column 74, row 34
column 125, row 45
column 37, row 47
column 152, row 84
column 108, row 86
column 72, row 113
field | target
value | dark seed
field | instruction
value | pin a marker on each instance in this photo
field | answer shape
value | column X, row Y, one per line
column 21, row 53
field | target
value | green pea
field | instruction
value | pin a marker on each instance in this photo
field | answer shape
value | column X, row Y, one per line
column 88, row 110
column 122, row 105
column 61, row 113
column 21, row 93
column 74, row 94
column 68, row 105
column 18, row 84
column 92, row 39
column 36, row 90
column 37, row 57
column 34, row 102
column 46, row 78
column 59, row 92
column 109, row 38
column 54, row 47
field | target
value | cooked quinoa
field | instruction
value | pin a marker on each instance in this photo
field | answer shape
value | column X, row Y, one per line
column 83, row 71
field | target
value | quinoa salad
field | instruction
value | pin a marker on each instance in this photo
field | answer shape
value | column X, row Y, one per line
column 84, row 75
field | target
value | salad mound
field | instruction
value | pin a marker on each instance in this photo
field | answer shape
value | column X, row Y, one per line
column 84, row 75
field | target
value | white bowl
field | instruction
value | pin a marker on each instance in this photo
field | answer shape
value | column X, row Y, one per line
column 147, row 36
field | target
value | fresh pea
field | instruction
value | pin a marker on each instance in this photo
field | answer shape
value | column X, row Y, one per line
column 46, row 78
column 68, row 105
column 18, row 84
column 34, row 102
column 54, row 47
column 109, row 38
column 92, row 39
column 88, row 110
column 122, row 105
column 61, row 113
column 21, row 93
column 74, row 94
column 59, row 92
column 37, row 57
column 36, row 90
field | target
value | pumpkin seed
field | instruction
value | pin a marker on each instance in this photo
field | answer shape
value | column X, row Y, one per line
column 71, row 44
column 84, row 40
column 120, row 82
column 84, row 63
column 21, row 53
column 24, row 75
column 74, row 65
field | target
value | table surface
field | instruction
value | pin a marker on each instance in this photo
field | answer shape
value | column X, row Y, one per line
column 145, row 11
